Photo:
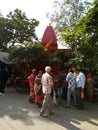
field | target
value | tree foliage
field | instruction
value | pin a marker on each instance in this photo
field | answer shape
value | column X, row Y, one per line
column 5, row 32
column 63, row 58
column 84, row 39
column 28, row 53
column 66, row 13
column 17, row 28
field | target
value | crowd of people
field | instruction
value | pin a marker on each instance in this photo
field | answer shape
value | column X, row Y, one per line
column 46, row 91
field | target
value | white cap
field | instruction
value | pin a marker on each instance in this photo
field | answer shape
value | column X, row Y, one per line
column 48, row 68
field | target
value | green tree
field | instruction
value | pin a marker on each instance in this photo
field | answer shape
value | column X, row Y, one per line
column 28, row 53
column 84, row 39
column 17, row 28
column 63, row 57
column 67, row 13
column 23, row 28
column 5, row 32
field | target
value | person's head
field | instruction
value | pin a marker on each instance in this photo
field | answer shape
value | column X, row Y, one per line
column 48, row 69
column 89, row 75
column 76, row 71
column 34, row 71
column 40, row 72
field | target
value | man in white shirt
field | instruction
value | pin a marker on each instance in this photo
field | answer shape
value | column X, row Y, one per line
column 47, row 106
column 80, row 81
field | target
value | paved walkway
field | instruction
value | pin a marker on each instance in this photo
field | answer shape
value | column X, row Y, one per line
column 16, row 113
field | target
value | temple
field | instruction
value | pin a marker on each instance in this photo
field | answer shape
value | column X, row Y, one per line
column 49, row 40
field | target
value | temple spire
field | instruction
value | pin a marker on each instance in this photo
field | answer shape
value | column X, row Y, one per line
column 49, row 40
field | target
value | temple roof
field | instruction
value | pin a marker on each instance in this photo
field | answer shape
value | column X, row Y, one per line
column 49, row 35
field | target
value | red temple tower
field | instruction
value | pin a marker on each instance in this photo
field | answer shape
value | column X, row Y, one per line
column 49, row 40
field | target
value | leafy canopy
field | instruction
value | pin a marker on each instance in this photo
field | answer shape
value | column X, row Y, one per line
column 17, row 28
column 84, row 39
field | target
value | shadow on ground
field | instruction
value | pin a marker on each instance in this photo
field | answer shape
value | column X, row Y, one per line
column 14, row 106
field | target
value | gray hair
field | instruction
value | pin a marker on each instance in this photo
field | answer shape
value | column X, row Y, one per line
column 48, row 68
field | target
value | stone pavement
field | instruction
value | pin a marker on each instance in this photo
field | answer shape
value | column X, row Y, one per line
column 16, row 113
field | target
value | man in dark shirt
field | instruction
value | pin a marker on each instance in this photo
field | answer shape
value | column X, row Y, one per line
column 60, row 84
column 3, row 79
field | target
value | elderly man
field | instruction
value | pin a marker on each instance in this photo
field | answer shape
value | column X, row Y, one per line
column 47, row 106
